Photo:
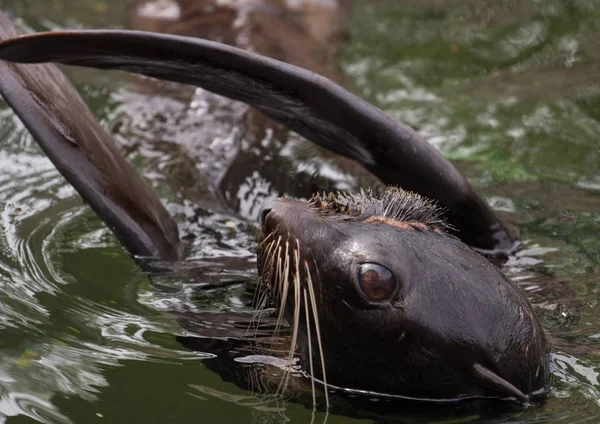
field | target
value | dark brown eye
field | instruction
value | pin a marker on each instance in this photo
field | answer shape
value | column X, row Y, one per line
column 375, row 281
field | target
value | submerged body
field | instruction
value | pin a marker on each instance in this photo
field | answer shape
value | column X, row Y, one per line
column 381, row 298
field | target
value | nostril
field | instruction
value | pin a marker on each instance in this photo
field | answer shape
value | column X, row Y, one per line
column 268, row 206
column 263, row 215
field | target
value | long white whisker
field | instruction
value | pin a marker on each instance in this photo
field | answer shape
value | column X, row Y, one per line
column 271, row 254
column 259, row 287
column 261, row 292
column 280, row 284
column 286, row 284
column 266, row 238
column 256, row 317
column 276, row 254
column 313, row 302
column 296, row 322
column 310, row 358
column 285, row 287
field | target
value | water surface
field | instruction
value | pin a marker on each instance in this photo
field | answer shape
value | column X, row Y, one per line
column 509, row 90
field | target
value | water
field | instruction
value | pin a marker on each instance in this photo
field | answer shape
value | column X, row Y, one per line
column 509, row 90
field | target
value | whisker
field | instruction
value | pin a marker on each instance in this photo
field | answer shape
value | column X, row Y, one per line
column 260, row 287
column 310, row 358
column 296, row 320
column 260, row 295
column 276, row 285
column 257, row 315
column 281, row 277
column 277, row 282
column 285, row 287
column 266, row 238
column 270, row 254
column 276, row 253
column 317, row 270
column 313, row 303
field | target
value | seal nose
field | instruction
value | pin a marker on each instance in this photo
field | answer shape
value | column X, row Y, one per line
column 267, row 206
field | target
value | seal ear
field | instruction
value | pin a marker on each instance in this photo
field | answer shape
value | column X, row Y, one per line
column 487, row 378
column 307, row 103
column 85, row 155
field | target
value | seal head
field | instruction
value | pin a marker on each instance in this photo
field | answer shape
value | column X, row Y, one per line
column 384, row 300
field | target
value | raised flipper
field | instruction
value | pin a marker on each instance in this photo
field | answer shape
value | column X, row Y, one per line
column 307, row 103
column 83, row 152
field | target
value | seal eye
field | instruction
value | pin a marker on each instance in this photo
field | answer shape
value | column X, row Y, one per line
column 375, row 281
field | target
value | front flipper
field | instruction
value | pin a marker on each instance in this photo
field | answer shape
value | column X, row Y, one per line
column 83, row 152
column 307, row 103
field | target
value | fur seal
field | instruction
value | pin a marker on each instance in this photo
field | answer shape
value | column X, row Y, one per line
column 381, row 293
column 380, row 279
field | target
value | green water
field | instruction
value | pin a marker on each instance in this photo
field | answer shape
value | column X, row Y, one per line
column 509, row 90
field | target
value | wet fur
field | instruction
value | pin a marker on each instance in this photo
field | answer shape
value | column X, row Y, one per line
column 394, row 204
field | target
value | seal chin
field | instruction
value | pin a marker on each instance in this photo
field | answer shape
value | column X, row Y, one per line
column 380, row 298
